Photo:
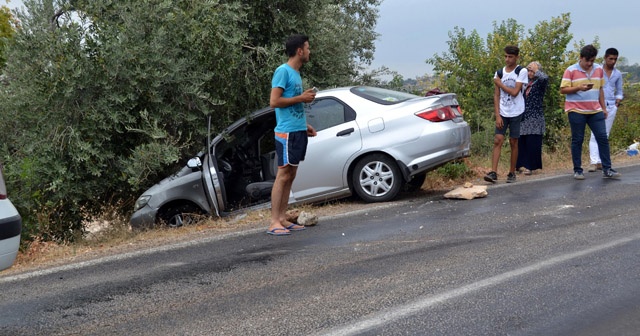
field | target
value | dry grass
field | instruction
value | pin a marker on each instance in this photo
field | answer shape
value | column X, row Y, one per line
column 116, row 236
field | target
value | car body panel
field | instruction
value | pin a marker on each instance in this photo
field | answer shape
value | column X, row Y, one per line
column 353, row 124
column 185, row 186
column 10, row 228
column 328, row 164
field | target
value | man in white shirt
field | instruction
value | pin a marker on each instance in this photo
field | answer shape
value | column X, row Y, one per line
column 612, row 96
column 508, row 103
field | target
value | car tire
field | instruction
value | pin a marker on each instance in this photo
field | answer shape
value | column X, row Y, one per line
column 376, row 178
column 415, row 183
column 179, row 215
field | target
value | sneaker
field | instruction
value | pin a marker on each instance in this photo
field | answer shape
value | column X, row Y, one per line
column 491, row 177
column 511, row 177
column 611, row 173
column 578, row 176
column 527, row 172
column 594, row 167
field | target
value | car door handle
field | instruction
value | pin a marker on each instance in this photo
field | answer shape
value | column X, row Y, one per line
column 346, row 132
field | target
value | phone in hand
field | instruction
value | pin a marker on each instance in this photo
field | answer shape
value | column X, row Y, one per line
column 590, row 85
column 315, row 89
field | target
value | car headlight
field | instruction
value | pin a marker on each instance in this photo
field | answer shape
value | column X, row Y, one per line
column 141, row 202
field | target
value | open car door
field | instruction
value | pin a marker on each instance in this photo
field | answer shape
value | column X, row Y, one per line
column 213, row 179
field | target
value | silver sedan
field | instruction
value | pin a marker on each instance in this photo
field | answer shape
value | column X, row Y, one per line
column 371, row 142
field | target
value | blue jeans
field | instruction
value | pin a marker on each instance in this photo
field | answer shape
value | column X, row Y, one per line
column 598, row 128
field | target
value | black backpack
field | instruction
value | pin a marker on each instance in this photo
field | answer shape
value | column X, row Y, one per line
column 518, row 68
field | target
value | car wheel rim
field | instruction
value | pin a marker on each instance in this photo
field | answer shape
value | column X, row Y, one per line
column 177, row 221
column 376, row 179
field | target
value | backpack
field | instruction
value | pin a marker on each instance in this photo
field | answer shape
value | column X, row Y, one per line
column 518, row 68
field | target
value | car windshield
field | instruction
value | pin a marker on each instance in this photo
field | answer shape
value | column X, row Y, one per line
column 381, row 96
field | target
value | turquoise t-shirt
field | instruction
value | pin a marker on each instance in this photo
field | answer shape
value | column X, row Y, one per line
column 291, row 118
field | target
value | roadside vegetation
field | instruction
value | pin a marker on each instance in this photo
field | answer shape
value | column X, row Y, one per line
column 102, row 99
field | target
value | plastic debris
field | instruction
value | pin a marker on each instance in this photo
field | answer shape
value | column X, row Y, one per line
column 632, row 150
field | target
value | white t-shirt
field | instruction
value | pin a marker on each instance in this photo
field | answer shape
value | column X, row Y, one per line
column 511, row 106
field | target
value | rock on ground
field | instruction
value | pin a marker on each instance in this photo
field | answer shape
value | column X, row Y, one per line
column 468, row 191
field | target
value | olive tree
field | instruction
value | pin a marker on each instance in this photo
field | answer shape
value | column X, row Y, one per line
column 104, row 98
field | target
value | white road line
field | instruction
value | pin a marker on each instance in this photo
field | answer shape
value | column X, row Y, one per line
column 391, row 315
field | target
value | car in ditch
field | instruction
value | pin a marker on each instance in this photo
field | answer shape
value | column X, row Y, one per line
column 10, row 228
column 371, row 142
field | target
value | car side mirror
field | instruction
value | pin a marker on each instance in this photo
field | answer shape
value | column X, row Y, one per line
column 194, row 163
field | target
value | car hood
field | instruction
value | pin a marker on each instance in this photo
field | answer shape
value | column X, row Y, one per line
column 185, row 171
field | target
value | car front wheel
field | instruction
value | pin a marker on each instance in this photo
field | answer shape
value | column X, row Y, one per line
column 179, row 215
column 377, row 178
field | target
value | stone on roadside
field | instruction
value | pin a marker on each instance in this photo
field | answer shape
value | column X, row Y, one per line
column 307, row 219
column 302, row 217
column 468, row 191
column 292, row 216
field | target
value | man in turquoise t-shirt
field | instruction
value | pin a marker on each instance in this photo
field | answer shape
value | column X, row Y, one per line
column 292, row 130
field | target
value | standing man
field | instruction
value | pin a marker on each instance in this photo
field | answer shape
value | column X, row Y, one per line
column 532, row 126
column 508, row 104
column 612, row 96
column 583, row 84
column 292, row 130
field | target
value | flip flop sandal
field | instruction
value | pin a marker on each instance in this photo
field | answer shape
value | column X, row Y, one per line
column 279, row 232
column 293, row 227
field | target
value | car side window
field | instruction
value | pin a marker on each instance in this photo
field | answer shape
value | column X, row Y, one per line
column 326, row 113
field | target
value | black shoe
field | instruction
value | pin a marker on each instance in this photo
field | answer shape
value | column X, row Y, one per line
column 511, row 178
column 491, row 177
column 611, row 174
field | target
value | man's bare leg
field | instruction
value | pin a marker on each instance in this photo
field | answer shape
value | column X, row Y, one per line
column 280, row 196
column 498, row 139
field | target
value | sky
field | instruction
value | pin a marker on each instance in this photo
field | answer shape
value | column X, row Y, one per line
column 411, row 31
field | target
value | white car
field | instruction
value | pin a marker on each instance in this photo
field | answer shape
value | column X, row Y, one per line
column 10, row 228
column 371, row 142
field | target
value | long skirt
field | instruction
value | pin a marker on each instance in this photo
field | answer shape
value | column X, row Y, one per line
column 530, row 151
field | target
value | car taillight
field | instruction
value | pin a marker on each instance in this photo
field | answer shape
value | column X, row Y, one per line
column 437, row 115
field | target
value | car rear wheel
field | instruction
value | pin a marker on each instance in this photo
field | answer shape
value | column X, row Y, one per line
column 179, row 215
column 377, row 178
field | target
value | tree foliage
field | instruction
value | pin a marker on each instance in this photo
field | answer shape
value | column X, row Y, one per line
column 7, row 30
column 105, row 97
column 469, row 65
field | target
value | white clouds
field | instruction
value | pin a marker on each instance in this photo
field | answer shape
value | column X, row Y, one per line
column 415, row 30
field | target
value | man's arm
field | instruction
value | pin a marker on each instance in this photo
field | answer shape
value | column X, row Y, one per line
column 575, row 89
column 277, row 100
column 603, row 102
column 619, row 92
column 496, row 106
column 512, row 91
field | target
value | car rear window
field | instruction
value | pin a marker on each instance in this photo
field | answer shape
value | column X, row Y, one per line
column 381, row 96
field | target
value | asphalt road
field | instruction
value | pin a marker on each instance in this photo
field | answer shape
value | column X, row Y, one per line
column 547, row 257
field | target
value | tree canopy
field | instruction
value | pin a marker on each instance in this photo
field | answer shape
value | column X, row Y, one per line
column 105, row 97
column 7, row 24
column 470, row 63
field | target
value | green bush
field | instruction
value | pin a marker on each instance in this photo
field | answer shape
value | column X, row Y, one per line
column 454, row 170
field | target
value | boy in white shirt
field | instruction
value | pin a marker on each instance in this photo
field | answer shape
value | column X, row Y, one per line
column 508, row 103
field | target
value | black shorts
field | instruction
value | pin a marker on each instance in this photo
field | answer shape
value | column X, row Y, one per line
column 513, row 124
column 291, row 147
